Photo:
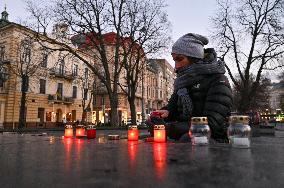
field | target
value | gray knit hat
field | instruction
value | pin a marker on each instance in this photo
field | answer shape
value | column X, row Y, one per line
column 190, row 45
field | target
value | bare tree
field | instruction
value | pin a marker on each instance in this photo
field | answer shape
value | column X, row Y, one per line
column 26, row 67
column 281, row 76
column 99, row 28
column 148, row 32
column 261, row 98
column 250, row 38
column 86, row 83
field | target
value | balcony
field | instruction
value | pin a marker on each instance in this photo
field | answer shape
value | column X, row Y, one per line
column 57, row 99
column 61, row 74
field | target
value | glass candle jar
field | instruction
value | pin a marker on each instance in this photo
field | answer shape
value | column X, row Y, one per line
column 132, row 133
column 80, row 131
column 160, row 133
column 91, row 132
column 199, row 131
column 239, row 131
column 68, row 132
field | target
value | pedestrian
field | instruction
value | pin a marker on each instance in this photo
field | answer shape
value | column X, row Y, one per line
column 64, row 121
column 200, row 89
column 99, row 123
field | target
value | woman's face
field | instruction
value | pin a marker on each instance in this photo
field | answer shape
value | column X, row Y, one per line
column 180, row 60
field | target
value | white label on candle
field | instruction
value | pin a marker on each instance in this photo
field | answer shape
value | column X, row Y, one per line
column 241, row 141
column 201, row 140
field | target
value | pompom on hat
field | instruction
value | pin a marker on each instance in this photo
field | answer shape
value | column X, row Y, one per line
column 191, row 45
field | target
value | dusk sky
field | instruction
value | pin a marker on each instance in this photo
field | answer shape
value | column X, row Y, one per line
column 185, row 16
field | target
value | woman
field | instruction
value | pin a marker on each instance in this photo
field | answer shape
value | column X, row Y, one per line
column 200, row 89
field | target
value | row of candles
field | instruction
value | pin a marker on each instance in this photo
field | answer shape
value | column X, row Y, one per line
column 199, row 132
column 132, row 133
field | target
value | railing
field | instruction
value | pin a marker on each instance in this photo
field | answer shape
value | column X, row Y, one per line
column 59, row 99
column 61, row 74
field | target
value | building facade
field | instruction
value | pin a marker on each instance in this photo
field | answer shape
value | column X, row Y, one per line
column 62, row 88
column 276, row 95
column 160, row 77
column 55, row 91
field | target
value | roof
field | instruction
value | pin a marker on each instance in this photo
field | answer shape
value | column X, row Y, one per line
column 85, row 40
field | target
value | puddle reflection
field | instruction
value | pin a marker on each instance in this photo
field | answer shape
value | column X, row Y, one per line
column 160, row 159
column 52, row 139
column 132, row 152
column 68, row 146
column 78, row 147
column 102, row 139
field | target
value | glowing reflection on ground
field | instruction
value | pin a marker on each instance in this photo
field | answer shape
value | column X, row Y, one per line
column 160, row 159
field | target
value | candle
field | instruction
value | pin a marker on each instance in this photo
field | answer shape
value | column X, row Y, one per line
column 68, row 132
column 239, row 131
column 159, row 133
column 91, row 132
column 80, row 131
column 199, row 131
column 132, row 133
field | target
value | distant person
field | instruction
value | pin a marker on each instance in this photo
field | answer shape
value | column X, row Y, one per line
column 99, row 123
column 64, row 121
column 200, row 89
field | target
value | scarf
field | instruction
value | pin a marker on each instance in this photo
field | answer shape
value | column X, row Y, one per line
column 191, row 75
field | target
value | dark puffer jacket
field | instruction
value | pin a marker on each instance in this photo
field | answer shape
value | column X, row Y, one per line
column 211, row 97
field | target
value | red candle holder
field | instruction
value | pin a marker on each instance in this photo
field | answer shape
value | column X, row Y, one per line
column 132, row 133
column 68, row 132
column 159, row 133
column 155, row 114
column 80, row 131
column 91, row 132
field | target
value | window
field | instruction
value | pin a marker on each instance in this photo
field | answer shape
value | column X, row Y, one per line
column 42, row 86
column 25, row 83
column 73, row 115
column 75, row 70
column 40, row 115
column 94, row 101
column 3, row 75
column 44, row 59
column 61, row 67
column 59, row 91
column 86, row 73
column 85, row 94
column 2, row 53
column 74, row 92
column 26, row 51
column 48, row 116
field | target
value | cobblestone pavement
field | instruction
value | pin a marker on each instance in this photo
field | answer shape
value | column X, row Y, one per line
column 49, row 160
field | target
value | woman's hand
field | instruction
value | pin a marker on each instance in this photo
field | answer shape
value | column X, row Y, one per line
column 163, row 113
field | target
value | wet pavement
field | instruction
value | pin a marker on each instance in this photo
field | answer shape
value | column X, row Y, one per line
column 49, row 160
